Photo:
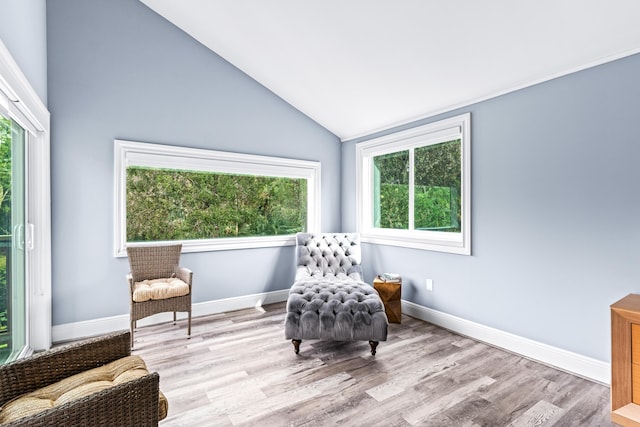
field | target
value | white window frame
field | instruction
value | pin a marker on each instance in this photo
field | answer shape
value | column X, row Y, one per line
column 458, row 127
column 131, row 153
column 20, row 102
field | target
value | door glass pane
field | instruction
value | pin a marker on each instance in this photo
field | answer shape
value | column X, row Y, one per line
column 391, row 190
column 12, row 251
column 437, row 203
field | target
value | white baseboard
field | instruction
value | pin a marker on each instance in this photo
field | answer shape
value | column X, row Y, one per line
column 574, row 363
column 105, row 325
column 568, row 361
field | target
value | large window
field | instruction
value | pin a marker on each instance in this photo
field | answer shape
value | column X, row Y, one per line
column 414, row 187
column 211, row 200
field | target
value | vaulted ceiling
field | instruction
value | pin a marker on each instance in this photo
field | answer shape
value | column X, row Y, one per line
column 359, row 66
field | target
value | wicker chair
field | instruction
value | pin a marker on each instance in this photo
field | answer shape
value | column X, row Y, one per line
column 157, row 283
column 132, row 403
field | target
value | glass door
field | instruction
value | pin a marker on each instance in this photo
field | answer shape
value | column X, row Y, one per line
column 13, row 315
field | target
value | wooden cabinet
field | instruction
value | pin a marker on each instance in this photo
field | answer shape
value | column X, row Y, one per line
column 635, row 363
column 625, row 361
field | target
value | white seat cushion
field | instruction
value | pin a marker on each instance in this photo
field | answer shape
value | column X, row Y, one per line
column 78, row 386
column 159, row 289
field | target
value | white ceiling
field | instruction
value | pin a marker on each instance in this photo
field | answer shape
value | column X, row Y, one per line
column 359, row 66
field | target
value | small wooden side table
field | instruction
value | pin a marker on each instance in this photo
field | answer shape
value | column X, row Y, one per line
column 390, row 293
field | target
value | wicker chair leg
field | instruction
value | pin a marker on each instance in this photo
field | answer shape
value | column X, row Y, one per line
column 132, row 327
column 189, row 325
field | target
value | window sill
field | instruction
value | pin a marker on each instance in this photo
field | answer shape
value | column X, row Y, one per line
column 452, row 244
column 221, row 244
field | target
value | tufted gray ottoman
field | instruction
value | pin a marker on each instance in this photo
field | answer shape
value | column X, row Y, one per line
column 328, row 299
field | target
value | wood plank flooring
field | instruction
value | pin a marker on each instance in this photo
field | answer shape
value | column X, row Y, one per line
column 238, row 370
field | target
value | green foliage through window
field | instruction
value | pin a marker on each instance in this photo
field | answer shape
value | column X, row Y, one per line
column 436, row 188
column 392, row 183
column 5, row 230
column 171, row 204
column 5, row 176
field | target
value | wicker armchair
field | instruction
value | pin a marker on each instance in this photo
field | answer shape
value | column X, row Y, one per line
column 131, row 403
column 157, row 283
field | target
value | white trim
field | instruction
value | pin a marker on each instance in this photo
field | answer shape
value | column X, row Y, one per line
column 397, row 239
column 565, row 360
column 23, row 100
column 30, row 112
column 491, row 95
column 432, row 133
column 130, row 153
column 105, row 325
column 4, row 103
column 39, row 217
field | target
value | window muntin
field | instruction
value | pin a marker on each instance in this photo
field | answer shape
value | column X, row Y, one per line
column 414, row 187
column 225, row 201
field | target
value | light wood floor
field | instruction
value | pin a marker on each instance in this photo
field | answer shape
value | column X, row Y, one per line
column 237, row 369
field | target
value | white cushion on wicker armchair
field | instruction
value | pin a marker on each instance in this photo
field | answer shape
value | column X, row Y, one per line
column 159, row 289
column 78, row 386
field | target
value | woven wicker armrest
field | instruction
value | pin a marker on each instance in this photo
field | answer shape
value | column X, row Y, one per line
column 48, row 367
column 133, row 403
column 185, row 275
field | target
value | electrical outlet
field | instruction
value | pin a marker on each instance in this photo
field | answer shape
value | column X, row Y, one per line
column 429, row 284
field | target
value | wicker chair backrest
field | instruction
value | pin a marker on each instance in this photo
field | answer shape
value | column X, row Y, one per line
column 153, row 262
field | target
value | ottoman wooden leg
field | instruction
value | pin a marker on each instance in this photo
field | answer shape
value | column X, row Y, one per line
column 373, row 345
column 296, row 345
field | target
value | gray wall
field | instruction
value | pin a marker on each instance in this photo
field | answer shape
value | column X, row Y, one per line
column 119, row 70
column 554, row 176
column 555, row 210
column 23, row 30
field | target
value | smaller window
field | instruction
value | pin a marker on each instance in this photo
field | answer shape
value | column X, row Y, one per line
column 210, row 200
column 414, row 187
